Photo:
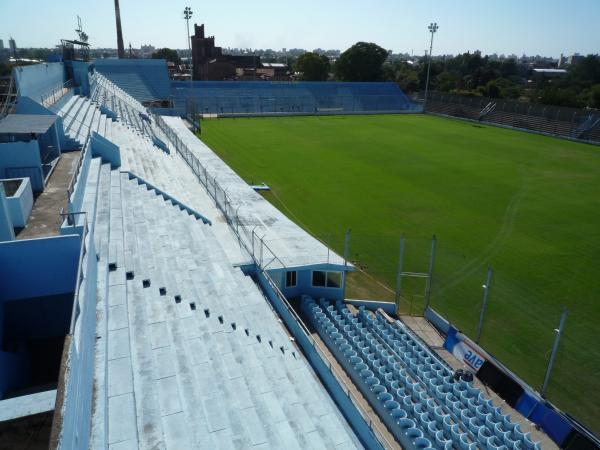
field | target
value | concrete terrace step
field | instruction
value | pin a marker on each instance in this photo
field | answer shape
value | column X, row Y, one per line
column 186, row 378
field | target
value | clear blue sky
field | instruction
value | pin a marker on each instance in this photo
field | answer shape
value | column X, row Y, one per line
column 545, row 27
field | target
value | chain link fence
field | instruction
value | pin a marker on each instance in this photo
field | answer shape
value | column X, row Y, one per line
column 519, row 324
column 573, row 123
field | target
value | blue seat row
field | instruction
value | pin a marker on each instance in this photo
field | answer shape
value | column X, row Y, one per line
column 231, row 97
column 412, row 390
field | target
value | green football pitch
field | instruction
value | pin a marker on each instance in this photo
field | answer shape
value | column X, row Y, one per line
column 527, row 205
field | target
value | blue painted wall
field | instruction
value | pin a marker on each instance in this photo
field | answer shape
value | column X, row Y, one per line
column 76, row 409
column 27, row 105
column 76, row 199
column 143, row 79
column 20, row 204
column 80, row 76
column 15, row 155
column 6, row 226
column 105, row 149
column 38, row 267
column 31, row 269
column 39, row 79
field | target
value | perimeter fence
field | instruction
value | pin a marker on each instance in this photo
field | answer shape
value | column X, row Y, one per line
column 562, row 121
column 525, row 294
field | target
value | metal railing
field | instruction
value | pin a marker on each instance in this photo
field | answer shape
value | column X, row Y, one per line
column 566, row 122
column 109, row 95
column 9, row 97
column 56, row 93
column 260, row 259
column 70, row 218
column 256, row 246
column 327, row 360
column 75, row 176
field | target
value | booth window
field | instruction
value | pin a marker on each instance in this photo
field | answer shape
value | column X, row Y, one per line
column 326, row 279
column 334, row 279
column 290, row 279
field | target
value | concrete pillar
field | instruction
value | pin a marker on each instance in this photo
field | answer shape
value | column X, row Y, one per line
column 7, row 233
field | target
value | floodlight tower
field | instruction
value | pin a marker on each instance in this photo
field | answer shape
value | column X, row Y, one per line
column 120, row 47
column 433, row 27
column 187, row 15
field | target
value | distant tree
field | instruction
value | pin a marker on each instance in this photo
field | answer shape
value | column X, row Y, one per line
column 446, row 81
column 168, row 54
column 594, row 100
column 361, row 62
column 587, row 70
column 314, row 67
column 5, row 68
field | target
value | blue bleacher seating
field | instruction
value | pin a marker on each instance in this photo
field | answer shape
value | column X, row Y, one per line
column 144, row 79
column 412, row 390
column 260, row 97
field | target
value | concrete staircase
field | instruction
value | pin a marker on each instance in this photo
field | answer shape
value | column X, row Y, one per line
column 189, row 353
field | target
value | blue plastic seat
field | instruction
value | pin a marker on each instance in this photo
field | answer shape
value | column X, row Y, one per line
column 455, row 432
column 422, row 443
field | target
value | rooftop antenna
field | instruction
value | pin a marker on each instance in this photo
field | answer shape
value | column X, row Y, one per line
column 120, row 47
column 83, row 39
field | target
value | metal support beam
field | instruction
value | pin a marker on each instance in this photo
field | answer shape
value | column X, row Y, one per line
column 430, row 272
column 399, row 275
column 559, row 331
column 346, row 246
column 120, row 46
column 486, row 290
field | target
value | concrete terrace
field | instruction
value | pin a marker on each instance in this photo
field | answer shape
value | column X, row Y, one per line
column 189, row 353
column 45, row 218
column 292, row 245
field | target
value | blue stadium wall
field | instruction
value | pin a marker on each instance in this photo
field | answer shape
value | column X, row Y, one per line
column 148, row 81
column 283, row 98
column 38, row 80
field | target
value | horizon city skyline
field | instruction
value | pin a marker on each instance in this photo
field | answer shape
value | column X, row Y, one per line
column 531, row 29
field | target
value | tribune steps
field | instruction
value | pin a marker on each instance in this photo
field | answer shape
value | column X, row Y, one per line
column 169, row 376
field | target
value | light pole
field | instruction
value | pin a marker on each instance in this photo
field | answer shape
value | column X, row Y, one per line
column 433, row 27
column 187, row 15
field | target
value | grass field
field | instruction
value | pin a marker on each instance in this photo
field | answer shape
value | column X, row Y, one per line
column 528, row 205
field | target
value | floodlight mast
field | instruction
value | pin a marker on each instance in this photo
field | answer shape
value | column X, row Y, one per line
column 187, row 15
column 120, row 47
column 433, row 27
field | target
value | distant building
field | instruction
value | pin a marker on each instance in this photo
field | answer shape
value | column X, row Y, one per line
column 550, row 72
column 1, row 44
column 209, row 62
column 13, row 47
column 569, row 60
column 147, row 50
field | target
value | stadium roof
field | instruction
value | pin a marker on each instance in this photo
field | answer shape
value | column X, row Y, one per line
column 26, row 124
column 551, row 71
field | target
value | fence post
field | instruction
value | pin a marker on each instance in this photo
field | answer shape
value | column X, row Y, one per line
column 430, row 272
column 346, row 246
column 399, row 274
column 559, row 330
column 486, row 290
column 261, row 252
